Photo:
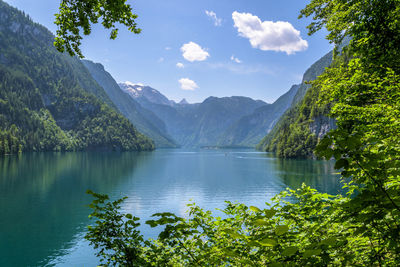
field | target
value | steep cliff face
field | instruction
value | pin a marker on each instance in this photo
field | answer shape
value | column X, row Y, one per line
column 305, row 122
column 321, row 125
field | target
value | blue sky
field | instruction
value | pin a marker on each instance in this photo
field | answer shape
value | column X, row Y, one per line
column 254, row 48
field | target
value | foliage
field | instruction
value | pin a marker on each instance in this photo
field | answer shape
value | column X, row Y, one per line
column 75, row 15
column 118, row 239
column 9, row 143
column 297, row 132
column 303, row 227
column 365, row 88
column 373, row 26
column 310, row 229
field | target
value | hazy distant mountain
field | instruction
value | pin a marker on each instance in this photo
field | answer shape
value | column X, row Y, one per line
column 215, row 116
column 144, row 120
column 250, row 129
column 194, row 125
column 183, row 102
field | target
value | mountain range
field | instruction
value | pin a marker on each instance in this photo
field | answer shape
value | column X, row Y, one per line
column 216, row 122
column 50, row 102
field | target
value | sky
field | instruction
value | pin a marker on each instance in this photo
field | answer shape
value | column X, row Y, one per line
column 195, row 49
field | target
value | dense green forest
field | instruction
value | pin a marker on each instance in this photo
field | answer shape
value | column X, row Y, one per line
column 49, row 101
column 143, row 119
column 302, row 227
column 294, row 134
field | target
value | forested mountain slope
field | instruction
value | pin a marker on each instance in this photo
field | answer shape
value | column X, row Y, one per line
column 299, row 129
column 215, row 115
column 250, row 129
column 143, row 119
column 48, row 100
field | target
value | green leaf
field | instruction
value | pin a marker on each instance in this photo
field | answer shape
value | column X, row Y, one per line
column 269, row 213
column 267, row 242
column 237, row 236
column 152, row 223
column 341, row 163
column 229, row 252
column 281, row 229
column 255, row 209
column 233, row 234
column 311, row 252
column 329, row 241
column 289, row 251
column 260, row 222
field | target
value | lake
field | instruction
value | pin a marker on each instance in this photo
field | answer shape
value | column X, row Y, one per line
column 43, row 212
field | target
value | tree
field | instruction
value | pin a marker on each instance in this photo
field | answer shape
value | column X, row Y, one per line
column 77, row 15
column 303, row 227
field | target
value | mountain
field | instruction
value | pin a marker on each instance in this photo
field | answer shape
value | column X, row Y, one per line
column 306, row 121
column 49, row 101
column 183, row 102
column 250, row 129
column 141, row 92
column 215, row 115
column 143, row 119
column 194, row 125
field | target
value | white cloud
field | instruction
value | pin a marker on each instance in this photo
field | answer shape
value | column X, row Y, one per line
column 278, row 36
column 180, row 65
column 168, row 48
column 241, row 68
column 187, row 84
column 193, row 52
column 235, row 59
column 213, row 16
column 161, row 59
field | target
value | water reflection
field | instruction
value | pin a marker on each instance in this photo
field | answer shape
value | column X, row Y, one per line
column 43, row 201
column 317, row 174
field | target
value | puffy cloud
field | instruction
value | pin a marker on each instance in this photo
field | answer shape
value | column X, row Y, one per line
column 180, row 65
column 235, row 59
column 193, row 52
column 213, row 16
column 278, row 36
column 187, row 84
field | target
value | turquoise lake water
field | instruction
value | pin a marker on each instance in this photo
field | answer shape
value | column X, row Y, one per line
column 43, row 212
